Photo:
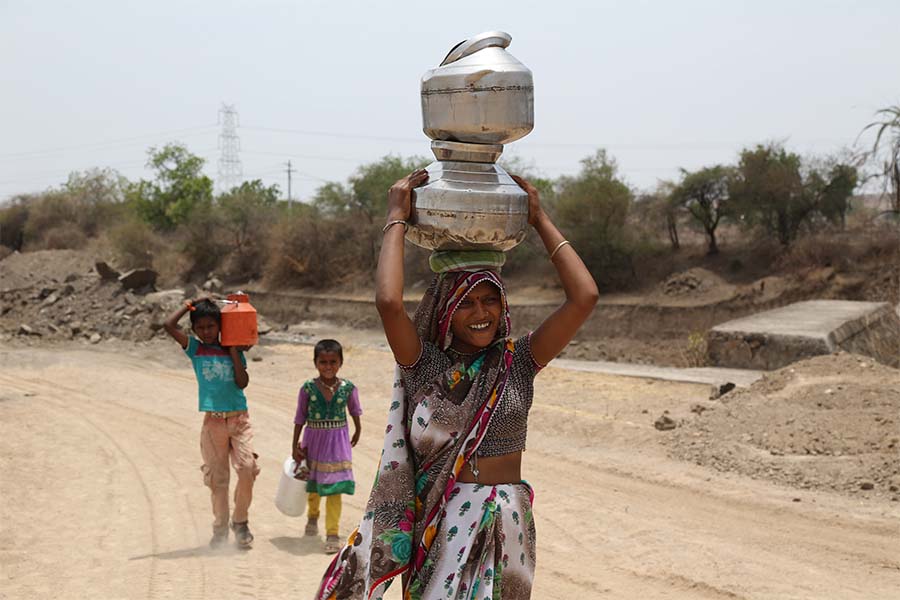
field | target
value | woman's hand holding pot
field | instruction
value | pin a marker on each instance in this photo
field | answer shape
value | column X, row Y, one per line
column 535, row 211
column 400, row 195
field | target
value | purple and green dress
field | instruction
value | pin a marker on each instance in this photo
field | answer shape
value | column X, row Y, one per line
column 326, row 437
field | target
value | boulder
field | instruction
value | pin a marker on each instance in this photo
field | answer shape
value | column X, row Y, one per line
column 105, row 272
column 137, row 279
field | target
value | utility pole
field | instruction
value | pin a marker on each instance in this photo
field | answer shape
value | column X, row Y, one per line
column 230, row 169
column 289, row 171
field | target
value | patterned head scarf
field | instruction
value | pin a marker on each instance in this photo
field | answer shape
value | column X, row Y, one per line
column 435, row 312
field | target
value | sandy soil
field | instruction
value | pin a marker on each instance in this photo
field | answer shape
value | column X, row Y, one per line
column 102, row 494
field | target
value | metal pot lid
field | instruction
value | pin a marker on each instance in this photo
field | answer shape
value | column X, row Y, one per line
column 500, row 39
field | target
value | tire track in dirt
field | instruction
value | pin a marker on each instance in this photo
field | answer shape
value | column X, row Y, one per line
column 158, row 581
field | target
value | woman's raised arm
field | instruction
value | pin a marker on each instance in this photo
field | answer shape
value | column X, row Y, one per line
column 398, row 328
column 559, row 328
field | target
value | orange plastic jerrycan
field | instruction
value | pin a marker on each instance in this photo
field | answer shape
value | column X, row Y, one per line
column 239, row 326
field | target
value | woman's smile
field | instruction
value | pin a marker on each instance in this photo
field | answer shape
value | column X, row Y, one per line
column 476, row 320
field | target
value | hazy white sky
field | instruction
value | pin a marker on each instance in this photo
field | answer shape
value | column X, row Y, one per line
column 332, row 85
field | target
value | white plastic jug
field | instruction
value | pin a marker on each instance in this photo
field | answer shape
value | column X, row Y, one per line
column 290, row 498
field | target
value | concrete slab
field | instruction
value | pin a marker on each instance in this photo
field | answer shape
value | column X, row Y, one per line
column 775, row 338
column 711, row 375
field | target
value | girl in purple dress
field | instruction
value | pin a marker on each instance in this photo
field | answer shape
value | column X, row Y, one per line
column 323, row 405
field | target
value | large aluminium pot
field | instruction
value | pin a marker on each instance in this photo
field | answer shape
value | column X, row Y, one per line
column 468, row 206
column 479, row 94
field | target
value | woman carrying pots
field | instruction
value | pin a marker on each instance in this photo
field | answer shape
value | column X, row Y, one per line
column 449, row 510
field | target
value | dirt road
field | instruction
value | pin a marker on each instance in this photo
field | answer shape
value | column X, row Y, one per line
column 101, row 493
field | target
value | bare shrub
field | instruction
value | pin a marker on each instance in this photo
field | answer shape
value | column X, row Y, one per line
column 814, row 251
column 13, row 218
column 309, row 251
column 200, row 239
column 841, row 250
column 135, row 244
column 65, row 236
column 170, row 263
column 694, row 351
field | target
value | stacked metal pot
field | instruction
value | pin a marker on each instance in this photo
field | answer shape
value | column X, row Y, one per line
column 479, row 98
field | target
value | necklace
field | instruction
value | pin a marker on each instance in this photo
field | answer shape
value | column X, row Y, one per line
column 464, row 354
column 331, row 388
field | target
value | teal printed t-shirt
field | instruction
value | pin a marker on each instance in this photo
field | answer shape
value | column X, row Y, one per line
column 215, row 376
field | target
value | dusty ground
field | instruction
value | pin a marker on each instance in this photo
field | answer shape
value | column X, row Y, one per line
column 828, row 423
column 102, row 495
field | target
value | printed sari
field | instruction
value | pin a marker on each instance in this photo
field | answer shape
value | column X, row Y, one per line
column 445, row 538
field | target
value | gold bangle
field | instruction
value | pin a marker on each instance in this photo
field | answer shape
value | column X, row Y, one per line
column 395, row 222
column 558, row 246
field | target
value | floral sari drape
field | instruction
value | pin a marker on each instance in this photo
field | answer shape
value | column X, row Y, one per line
column 428, row 439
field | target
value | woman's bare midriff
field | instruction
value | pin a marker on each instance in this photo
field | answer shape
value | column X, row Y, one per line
column 494, row 470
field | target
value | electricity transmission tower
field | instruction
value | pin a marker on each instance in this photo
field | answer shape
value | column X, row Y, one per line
column 230, row 170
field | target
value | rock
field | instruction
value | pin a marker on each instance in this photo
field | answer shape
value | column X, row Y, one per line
column 95, row 338
column 665, row 423
column 698, row 409
column 214, row 284
column 256, row 359
column 66, row 291
column 50, row 300
column 262, row 326
column 28, row 330
column 137, row 279
column 165, row 298
column 866, row 485
column 106, row 272
column 720, row 390
column 70, row 278
column 76, row 327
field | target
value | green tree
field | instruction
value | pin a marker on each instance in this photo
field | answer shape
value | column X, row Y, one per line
column 365, row 197
column 704, row 194
column 657, row 211
column 246, row 210
column 366, row 192
column 246, row 213
column 767, row 190
column 592, row 208
column 833, row 188
column 887, row 142
column 180, row 188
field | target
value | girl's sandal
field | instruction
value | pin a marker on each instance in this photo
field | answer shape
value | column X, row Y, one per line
column 332, row 544
column 312, row 528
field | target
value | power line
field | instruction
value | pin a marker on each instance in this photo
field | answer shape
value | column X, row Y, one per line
column 347, row 136
column 118, row 142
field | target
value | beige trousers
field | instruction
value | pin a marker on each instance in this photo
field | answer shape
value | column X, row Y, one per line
column 221, row 439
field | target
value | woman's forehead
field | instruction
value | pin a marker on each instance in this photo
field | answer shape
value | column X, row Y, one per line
column 484, row 288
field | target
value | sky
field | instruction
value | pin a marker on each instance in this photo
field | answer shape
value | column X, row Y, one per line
column 661, row 85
